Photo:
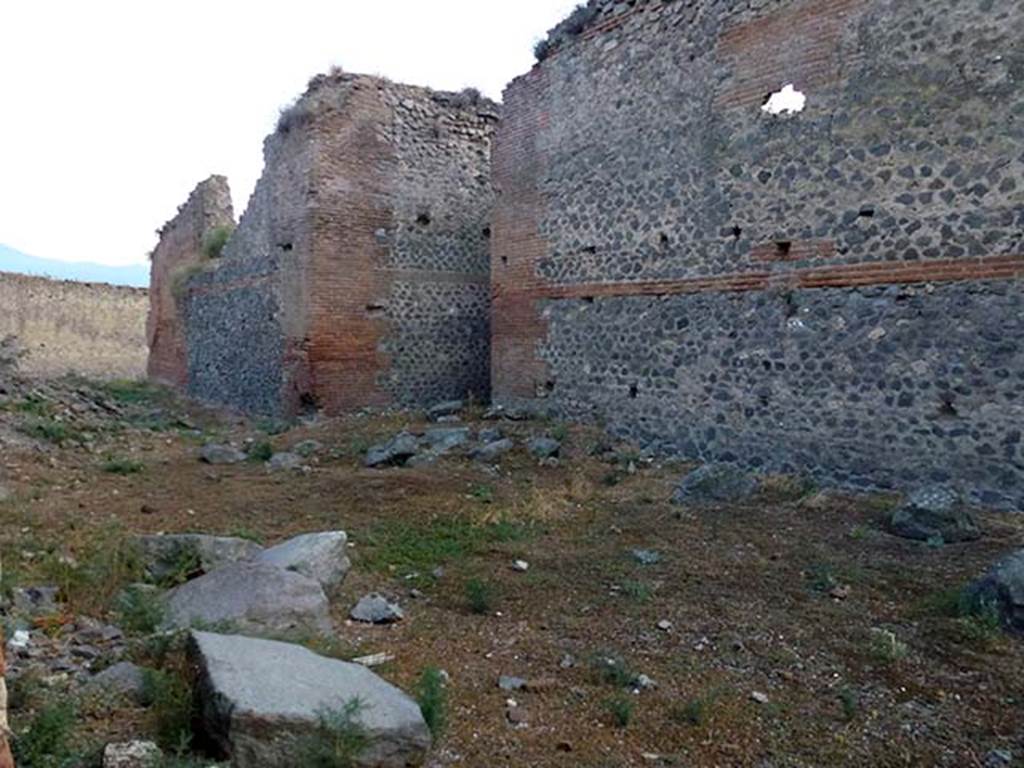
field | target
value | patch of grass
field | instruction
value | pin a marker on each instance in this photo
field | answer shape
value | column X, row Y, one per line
column 612, row 669
column 50, row 430
column 822, row 577
column 215, row 240
column 637, row 590
column 141, row 610
column 694, row 712
column 885, row 647
column 432, row 696
column 33, row 405
column 272, row 427
column 122, row 466
column 621, row 709
column 421, row 546
column 260, row 452
column 479, row 596
column 783, row 488
column 170, row 699
column 94, row 571
column 46, row 743
column 340, row 738
column 187, row 563
column 131, row 391
column 850, row 702
column 242, row 532
column 977, row 619
column 484, row 494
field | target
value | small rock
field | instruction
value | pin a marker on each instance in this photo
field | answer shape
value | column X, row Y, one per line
column 35, row 601
column 665, row 625
column 520, row 566
column 308, row 448
column 934, row 513
column 1002, row 588
column 121, row 680
column 283, row 462
column 516, row 716
column 492, row 451
column 715, row 483
column 394, row 453
column 507, row 683
column 19, row 640
column 998, row 758
column 214, row 453
column 644, row 683
column 376, row 609
column 567, row 662
column 646, row 556
column 490, row 435
column 132, row 754
column 448, row 408
column 760, row 698
column 544, row 447
column 444, row 439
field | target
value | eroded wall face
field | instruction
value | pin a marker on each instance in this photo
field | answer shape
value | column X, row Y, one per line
column 65, row 327
column 176, row 258
column 836, row 291
column 246, row 316
column 358, row 276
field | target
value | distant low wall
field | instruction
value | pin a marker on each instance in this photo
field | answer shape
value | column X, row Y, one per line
column 65, row 327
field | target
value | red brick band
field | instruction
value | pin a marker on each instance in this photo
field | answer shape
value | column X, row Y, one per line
column 837, row 276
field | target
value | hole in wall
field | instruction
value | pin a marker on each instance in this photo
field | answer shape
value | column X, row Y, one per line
column 867, row 212
column 549, row 386
column 376, row 309
column 947, row 407
column 587, row 299
column 504, row 260
column 591, row 249
column 663, row 239
column 634, row 391
column 487, row 232
column 783, row 247
column 286, row 247
column 788, row 101
column 423, row 219
column 737, row 232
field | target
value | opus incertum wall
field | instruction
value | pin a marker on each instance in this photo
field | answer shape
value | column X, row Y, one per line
column 835, row 291
column 359, row 274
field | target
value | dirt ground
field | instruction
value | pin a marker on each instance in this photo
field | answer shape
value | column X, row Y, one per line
column 787, row 631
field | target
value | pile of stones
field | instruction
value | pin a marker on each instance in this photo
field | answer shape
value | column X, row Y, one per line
column 238, row 608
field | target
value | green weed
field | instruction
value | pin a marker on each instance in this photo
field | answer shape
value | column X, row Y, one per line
column 141, row 609
column 340, row 738
column 46, row 743
column 479, row 596
column 121, row 466
column 169, row 696
column 432, row 696
column 260, row 452
column 215, row 240
column 621, row 709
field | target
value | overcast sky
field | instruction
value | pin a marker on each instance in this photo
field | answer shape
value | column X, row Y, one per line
column 112, row 110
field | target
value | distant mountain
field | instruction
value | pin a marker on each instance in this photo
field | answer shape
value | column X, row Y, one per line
column 16, row 261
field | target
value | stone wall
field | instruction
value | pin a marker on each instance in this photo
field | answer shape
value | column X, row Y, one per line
column 178, row 255
column 358, row 275
column 65, row 327
column 836, row 291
